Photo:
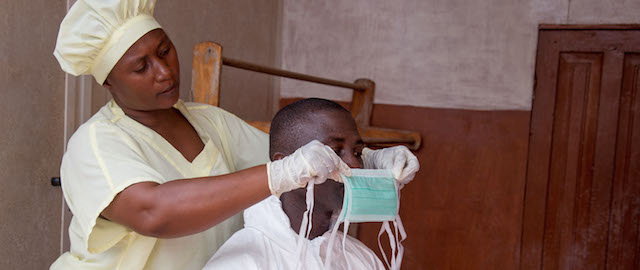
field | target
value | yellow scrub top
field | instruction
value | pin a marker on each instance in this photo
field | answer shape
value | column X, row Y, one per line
column 112, row 151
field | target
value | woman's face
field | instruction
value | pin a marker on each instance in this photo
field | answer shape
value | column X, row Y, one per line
column 147, row 77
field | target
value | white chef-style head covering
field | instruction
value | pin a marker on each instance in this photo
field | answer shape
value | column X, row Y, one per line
column 95, row 34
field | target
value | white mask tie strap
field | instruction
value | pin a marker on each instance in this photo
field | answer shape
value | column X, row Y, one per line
column 344, row 239
column 385, row 228
column 328, row 258
column 401, row 237
column 305, row 227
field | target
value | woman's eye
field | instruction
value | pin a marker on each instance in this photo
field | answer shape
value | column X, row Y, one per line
column 141, row 69
column 164, row 52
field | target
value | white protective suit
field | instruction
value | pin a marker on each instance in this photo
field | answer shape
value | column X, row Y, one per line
column 268, row 242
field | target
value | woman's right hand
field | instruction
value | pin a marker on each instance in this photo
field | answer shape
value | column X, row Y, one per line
column 313, row 162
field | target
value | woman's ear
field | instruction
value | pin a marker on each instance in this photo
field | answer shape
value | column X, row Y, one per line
column 278, row 156
column 106, row 84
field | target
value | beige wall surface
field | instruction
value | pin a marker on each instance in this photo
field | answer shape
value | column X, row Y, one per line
column 433, row 53
column 246, row 30
column 31, row 137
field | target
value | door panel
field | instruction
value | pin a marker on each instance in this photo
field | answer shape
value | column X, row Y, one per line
column 625, row 239
column 582, row 197
column 572, row 158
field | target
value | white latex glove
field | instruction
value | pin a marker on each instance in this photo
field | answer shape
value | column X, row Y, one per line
column 399, row 159
column 313, row 162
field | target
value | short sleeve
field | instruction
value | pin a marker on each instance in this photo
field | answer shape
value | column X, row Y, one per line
column 247, row 146
column 101, row 160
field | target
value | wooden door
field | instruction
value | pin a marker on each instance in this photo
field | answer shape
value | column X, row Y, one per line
column 582, row 198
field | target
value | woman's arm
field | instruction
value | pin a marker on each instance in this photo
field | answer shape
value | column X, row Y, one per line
column 187, row 206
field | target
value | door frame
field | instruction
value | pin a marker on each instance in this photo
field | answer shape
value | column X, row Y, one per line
column 77, row 110
column 532, row 233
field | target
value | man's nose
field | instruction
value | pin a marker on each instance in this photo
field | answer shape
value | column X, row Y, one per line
column 352, row 161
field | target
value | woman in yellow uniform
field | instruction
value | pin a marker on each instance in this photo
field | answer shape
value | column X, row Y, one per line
column 154, row 182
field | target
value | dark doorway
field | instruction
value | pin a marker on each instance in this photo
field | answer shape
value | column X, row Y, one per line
column 582, row 198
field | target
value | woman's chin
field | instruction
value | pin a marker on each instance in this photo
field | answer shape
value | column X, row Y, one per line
column 167, row 101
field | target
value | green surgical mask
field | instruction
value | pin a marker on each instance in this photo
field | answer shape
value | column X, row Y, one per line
column 372, row 196
column 369, row 196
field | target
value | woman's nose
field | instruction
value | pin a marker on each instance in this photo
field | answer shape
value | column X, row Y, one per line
column 162, row 70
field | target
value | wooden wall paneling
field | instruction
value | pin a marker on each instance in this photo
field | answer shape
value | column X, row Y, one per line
column 464, row 208
column 624, row 239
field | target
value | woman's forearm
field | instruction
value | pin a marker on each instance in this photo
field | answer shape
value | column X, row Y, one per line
column 187, row 206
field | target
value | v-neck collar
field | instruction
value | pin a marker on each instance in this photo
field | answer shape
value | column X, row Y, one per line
column 201, row 164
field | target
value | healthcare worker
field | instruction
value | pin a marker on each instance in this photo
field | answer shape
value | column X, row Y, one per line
column 153, row 182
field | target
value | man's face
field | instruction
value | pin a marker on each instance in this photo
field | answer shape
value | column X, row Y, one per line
column 147, row 77
column 337, row 130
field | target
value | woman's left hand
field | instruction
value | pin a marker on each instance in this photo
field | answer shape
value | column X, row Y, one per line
column 399, row 159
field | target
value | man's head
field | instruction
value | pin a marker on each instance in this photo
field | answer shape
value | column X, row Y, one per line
column 315, row 119
column 326, row 121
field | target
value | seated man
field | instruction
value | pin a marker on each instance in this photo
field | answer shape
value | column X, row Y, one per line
column 270, row 235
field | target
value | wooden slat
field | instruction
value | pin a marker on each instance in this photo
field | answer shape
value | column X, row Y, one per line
column 205, row 76
column 288, row 74
column 387, row 136
column 362, row 102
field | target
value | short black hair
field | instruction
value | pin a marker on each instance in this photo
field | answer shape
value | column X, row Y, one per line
column 289, row 124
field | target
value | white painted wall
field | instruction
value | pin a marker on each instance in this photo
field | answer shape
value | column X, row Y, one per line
column 432, row 53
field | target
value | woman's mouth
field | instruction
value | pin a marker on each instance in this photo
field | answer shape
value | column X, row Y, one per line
column 169, row 91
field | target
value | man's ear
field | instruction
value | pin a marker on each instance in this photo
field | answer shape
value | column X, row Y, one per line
column 278, row 156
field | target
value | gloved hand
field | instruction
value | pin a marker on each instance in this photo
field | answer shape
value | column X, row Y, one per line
column 313, row 162
column 399, row 159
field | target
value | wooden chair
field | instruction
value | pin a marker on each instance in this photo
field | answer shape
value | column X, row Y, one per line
column 207, row 63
